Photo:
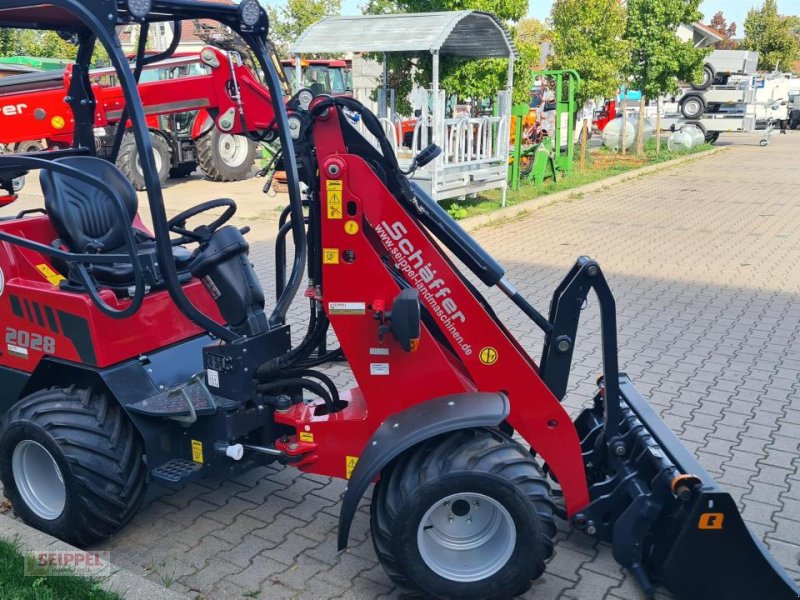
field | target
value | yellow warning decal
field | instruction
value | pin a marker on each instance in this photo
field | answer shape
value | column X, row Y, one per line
column 333, row 184
column 330, row 256
column 58, row 122
column 488, row 355
column 711, row 521
column 49, row 274
column 306, row 436
column 349, row 465
column 334, row 189
column 351, row 227
column 197, row 451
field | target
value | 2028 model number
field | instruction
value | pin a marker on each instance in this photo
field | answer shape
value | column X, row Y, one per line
column 34, row 341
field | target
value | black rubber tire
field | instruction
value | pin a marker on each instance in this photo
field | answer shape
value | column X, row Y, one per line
column 712, row 137
column 692, row 106
column 99, row 454
column 794, row 124
column 708, row 78
column 128, row 159
column 210, row 160
column 183, row 170
column 28, row 146
column 472, row 461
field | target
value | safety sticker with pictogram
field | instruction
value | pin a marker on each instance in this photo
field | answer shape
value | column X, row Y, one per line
column 349, row 465
column 330, row 256
column 488, row 355
column 334, row 204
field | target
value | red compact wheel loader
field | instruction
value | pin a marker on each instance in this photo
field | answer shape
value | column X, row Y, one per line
column 133, row 356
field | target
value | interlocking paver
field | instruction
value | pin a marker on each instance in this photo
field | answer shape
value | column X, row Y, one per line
column 702, row 260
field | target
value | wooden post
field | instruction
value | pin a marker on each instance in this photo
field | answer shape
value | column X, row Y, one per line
column 658, row 126
column 584, row 143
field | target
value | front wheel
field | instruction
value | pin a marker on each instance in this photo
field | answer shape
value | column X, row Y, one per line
column 71, row 464
column 223, row 156
column 467, row 515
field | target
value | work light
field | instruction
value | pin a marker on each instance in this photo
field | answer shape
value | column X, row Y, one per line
column 249, row 12
column 139, row 8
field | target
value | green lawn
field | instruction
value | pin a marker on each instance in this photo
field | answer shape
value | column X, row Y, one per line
column 14, row 585
column 491, row 200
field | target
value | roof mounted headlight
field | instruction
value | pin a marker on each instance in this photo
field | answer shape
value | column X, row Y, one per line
column 249, row 12
column 139, row 8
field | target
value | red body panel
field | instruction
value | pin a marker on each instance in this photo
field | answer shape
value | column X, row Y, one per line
column 40, row 319
column 45, row 115
column 364, row 221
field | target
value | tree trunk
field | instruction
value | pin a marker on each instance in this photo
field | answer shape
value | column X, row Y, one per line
column 584, row 143
column 658, row 126
column 640, row 127
column 624, row 132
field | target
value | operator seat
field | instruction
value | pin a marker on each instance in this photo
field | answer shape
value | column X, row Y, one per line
column 87, row 221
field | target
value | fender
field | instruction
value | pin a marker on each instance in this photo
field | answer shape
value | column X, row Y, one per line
column 200, row 124
column 405, row 429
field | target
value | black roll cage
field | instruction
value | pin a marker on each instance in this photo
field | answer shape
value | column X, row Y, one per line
column 96, row 21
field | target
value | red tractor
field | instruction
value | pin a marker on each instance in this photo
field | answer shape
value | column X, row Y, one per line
column 134, row 356
column 321, row 76
column 178, row 94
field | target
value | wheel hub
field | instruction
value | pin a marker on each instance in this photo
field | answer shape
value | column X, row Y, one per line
column 232, row 149
column 38, row 479
column 466, row 537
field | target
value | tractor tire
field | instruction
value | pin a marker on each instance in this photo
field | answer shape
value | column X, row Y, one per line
column 28, row 146
column 225, row 157
column 708, row 78
column 692, row 107
column 477, row 489
column 71, row 464
column 128, row 159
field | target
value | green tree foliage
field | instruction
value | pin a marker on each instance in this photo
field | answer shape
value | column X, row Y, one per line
column 588, row 37
column 292, row 19
column 467, row 78
column 773, row 36
column 659, row 58
column 720, row 24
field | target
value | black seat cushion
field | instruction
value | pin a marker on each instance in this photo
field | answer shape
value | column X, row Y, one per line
column 87, row 220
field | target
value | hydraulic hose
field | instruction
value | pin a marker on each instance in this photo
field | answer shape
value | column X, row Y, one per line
column 311, row 386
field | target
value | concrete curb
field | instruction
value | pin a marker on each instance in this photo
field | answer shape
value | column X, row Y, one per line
column 125, row 583
column 511, row 212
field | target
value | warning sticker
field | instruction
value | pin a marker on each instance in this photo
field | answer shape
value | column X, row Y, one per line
column 334, row 204
column 306, row 436
column 347, row 308
column 379, row 368
column 330, row 256
column 488, row 355
column 349, row 465
column 212, row 378
column 333, row 185
column 49, row 274
column 351, row 227
column 197, row 451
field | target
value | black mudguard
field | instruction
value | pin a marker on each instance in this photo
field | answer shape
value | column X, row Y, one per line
column 408, row 428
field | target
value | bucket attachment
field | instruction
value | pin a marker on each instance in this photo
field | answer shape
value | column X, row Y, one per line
column 665, row 517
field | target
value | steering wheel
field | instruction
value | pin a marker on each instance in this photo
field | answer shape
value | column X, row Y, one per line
column 177, row 224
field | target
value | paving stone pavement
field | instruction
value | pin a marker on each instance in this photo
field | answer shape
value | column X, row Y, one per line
column 703, row 261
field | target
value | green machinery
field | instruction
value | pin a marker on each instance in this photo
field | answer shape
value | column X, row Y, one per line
column 45, row 64
column 554, row 152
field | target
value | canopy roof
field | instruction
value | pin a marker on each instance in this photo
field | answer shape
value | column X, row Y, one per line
column 467, row 33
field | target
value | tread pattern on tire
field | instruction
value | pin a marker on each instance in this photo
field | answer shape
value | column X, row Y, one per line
column 103, row 450
column 205, row 148
column 475, row 450
column 126, row 159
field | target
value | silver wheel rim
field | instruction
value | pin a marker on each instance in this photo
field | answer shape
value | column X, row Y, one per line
column 693, row 107
column 38, row 479
column 466, row 537
column 156, row 157
column 233, row 149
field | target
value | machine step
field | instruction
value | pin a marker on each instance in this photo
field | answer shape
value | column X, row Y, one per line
column 184, row 402
column 176, row 470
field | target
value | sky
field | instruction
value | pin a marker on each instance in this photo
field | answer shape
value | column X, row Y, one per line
column 735, row 10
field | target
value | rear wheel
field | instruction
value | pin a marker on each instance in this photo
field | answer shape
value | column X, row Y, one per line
column 71, row 464
column 29, row 146
column 130, row 165
column 223, row 156
column 467, row 515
